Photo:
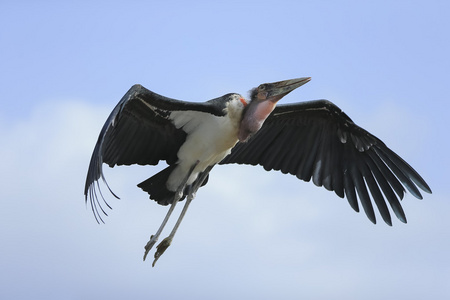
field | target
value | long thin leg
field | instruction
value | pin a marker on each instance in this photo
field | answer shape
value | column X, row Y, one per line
column 177, row 197
column 192, row 190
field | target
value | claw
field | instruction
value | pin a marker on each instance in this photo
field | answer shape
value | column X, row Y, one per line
column 161, row 248
column 150, row 245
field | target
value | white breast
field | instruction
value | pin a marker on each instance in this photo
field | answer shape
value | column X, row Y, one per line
column 209, row 139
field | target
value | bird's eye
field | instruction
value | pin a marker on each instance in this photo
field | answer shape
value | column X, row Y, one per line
column 262, row 87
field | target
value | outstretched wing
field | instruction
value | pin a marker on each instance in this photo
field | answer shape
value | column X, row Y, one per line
column 138, row 131
column 317, row 140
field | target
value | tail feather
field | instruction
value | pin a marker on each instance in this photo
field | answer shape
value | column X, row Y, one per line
column 156, row 187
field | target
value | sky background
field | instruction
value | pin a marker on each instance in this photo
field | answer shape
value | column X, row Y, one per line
column 249, row 234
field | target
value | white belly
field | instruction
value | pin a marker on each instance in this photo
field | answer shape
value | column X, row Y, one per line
column 209, row 139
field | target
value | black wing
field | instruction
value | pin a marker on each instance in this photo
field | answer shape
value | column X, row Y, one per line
column 317, row 140
column 138, row 131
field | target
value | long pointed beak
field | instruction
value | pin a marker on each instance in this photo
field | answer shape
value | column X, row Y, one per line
column 277, row 90
column 264, row 100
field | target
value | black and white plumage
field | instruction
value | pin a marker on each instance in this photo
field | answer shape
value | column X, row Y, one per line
column 311, row 140
column 145, row 128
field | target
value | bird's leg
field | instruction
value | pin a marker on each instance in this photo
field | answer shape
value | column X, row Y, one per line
column 178, row 195
column 191, row 195
column 161, row 247
column 154, row 237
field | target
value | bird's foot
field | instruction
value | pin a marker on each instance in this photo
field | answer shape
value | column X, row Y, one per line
column 150, row 244
column 161, row 248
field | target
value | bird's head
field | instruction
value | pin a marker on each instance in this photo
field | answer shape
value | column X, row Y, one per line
column 263, row 100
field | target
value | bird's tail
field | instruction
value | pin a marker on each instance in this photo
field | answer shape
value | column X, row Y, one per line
column 155, row 186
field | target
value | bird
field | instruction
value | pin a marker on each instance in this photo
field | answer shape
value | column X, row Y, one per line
column 312, row 140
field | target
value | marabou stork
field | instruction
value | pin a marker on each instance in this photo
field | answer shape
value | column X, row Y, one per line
column 311, row 140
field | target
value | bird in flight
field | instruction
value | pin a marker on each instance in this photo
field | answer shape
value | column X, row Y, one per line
column 312, row 140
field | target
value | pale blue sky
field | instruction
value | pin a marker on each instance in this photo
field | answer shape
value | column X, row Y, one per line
column 249, row 234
